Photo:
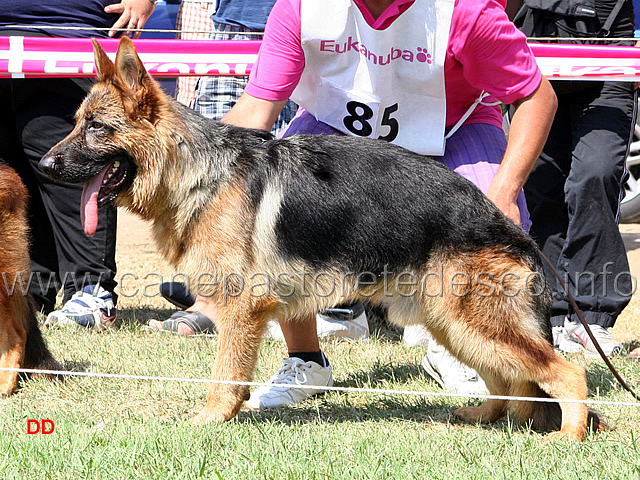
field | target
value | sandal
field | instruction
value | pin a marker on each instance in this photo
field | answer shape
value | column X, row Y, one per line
column 199, row 323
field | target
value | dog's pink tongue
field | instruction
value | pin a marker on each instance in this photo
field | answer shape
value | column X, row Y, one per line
column 89, row 203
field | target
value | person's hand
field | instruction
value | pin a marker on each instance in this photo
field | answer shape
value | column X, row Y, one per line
column 133, row 15
column 507, row 204
column 528, row 133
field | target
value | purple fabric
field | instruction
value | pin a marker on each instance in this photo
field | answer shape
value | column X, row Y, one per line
column 306, row 123
column 474, row 151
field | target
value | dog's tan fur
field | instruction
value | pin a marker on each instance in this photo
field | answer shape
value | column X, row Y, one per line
column 14, row 263
column 487, row 322
column 21, row 344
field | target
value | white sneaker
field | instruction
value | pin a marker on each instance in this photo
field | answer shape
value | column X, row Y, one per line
column 451, row 374
column 274, row 331
column 576, row 337
column 331, row 326
column 293, row 372
column 92, row 307
column 416, row 336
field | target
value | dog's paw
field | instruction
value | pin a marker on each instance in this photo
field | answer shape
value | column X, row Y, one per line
column 566, row 435
column 489, row 411
column 469, row 414
column 218, row 410
column 8, row 387
column 208, row 416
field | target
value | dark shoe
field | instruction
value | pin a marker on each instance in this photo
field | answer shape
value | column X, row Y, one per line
column 198, row 322
column 344, row 312
column 178, row 294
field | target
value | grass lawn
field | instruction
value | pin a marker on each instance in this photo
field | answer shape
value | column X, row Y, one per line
column 139, row 429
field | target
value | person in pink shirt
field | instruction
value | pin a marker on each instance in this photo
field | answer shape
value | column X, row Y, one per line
column 426, row 74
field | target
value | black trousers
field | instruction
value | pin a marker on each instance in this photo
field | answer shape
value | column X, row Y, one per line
column 573, row 195
column 36, row 114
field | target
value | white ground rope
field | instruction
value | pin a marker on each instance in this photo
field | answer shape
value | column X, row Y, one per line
column 317, row 387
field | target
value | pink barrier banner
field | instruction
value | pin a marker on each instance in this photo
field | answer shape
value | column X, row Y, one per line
column 22, row 57
column 587, row 62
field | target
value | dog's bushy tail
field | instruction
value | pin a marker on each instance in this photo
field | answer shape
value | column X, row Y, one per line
column 546, row 416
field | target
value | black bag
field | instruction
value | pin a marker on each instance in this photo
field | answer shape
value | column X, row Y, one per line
column 562, row 21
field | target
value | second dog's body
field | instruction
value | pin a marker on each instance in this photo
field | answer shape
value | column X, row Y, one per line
column 283, row 228
column 21, row 342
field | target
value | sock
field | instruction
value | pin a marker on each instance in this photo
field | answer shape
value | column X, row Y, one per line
column 317, row 357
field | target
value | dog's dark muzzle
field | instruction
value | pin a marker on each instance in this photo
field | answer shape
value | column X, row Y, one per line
column 51, row 165
column 67, row 165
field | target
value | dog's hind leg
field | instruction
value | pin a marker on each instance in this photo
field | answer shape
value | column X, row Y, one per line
column 497, row 323
column 514, row 374
column 241, row 325
column 492, row 409
column 523, row 363
column 563, row 379
column 520, row 375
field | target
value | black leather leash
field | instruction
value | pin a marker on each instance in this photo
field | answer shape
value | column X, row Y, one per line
column 588, row 329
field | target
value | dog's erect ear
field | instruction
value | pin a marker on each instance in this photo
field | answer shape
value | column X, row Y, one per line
column 129, row 68
column 104, row 66
column 139, row 92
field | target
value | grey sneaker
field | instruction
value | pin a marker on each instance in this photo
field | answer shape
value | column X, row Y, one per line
column 293, row 372
column 92, row 307
column 450, row 374
column 332, row 325
column 561, row 341
column 577, row 337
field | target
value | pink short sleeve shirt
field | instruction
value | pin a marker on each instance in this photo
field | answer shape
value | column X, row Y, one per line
column 485, row 52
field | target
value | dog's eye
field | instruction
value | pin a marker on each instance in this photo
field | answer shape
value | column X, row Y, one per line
column 96, row 125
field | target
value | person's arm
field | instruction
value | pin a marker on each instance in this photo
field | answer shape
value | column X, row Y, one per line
column 528, row 133
column 252, row 112
column 496, row 59
column 276, row 71
column 133, row 15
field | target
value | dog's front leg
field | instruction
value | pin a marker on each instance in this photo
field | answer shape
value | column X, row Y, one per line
column 241, row 324
column 12, row 349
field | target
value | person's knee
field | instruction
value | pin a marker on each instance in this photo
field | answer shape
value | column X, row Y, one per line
column 601, row 177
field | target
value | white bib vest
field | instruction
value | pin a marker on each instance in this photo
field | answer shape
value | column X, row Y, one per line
column 386, row 84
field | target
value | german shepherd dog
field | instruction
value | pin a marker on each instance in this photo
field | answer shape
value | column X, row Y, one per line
column 285, row 228
column 21, row 342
